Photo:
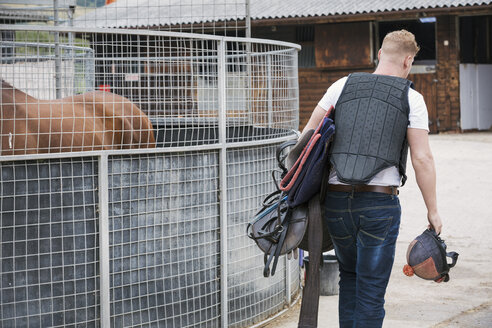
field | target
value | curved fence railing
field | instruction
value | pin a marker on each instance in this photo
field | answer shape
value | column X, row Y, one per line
column 137, row 229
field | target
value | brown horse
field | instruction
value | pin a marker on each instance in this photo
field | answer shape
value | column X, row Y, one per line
column 94, row 120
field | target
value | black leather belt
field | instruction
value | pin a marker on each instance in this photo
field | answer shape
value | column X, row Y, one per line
column 364, row 188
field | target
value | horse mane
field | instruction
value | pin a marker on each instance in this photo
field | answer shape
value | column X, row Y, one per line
column 8, row 86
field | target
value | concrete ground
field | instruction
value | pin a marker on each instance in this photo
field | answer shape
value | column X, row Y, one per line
column 464, row 173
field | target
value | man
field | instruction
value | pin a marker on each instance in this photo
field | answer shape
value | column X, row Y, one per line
column 377, row 116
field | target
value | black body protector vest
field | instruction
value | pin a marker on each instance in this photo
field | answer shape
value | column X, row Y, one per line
column 371, row 119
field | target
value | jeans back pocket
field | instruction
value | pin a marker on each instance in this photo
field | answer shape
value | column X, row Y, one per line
column 373, row 231
column 340, row 235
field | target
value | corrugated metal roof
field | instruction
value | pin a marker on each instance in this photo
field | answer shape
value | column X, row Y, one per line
column 308, row 8
column 25, row 15
column 32, row 10
column 140, row 13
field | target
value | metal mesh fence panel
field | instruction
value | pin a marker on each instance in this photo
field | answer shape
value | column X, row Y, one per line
column 252, row 297
column 49, row 245
column 262, row 91
column 164, row 240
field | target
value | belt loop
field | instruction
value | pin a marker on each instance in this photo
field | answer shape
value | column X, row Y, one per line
column 352, row 192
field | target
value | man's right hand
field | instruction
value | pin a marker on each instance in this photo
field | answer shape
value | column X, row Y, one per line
column 435, row 222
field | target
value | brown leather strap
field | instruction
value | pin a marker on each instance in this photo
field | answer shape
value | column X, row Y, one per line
column 364, row 188
column 308, row 316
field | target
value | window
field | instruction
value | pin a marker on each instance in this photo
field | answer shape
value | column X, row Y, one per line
column 424, row 30
column 476, row 40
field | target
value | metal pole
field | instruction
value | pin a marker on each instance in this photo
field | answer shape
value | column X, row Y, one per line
column 248, row 19
column 71, row 11
column 249, row 97
column 296, row 85
column 71, row 50
column 222, row 117
column 248, row 62
column 288, row 278
column 103, row 189
column 269, row 90
column 57, row 53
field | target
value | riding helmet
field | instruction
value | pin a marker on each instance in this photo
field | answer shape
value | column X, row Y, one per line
column 426, row 257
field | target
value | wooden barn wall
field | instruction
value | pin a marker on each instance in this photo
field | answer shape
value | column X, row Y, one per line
column 426, row 84
column 333, row 50
column 448, row 88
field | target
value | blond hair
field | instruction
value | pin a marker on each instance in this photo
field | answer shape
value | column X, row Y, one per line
column 400, row 42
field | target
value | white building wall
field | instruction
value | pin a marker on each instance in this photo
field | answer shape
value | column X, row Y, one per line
column 476, row 96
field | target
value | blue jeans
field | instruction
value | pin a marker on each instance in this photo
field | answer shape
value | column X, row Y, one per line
column 364, row 227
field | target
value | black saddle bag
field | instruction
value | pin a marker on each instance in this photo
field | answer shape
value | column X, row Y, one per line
column 277, row 228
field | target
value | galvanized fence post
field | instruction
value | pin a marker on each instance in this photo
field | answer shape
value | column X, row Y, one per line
column 222, row 117
column 104, row 290
column 269, row 90
column 288, row 279
column 58, row 60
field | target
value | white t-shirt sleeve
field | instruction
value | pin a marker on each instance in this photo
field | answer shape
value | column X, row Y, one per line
column 332, row 94
column 418, row 116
